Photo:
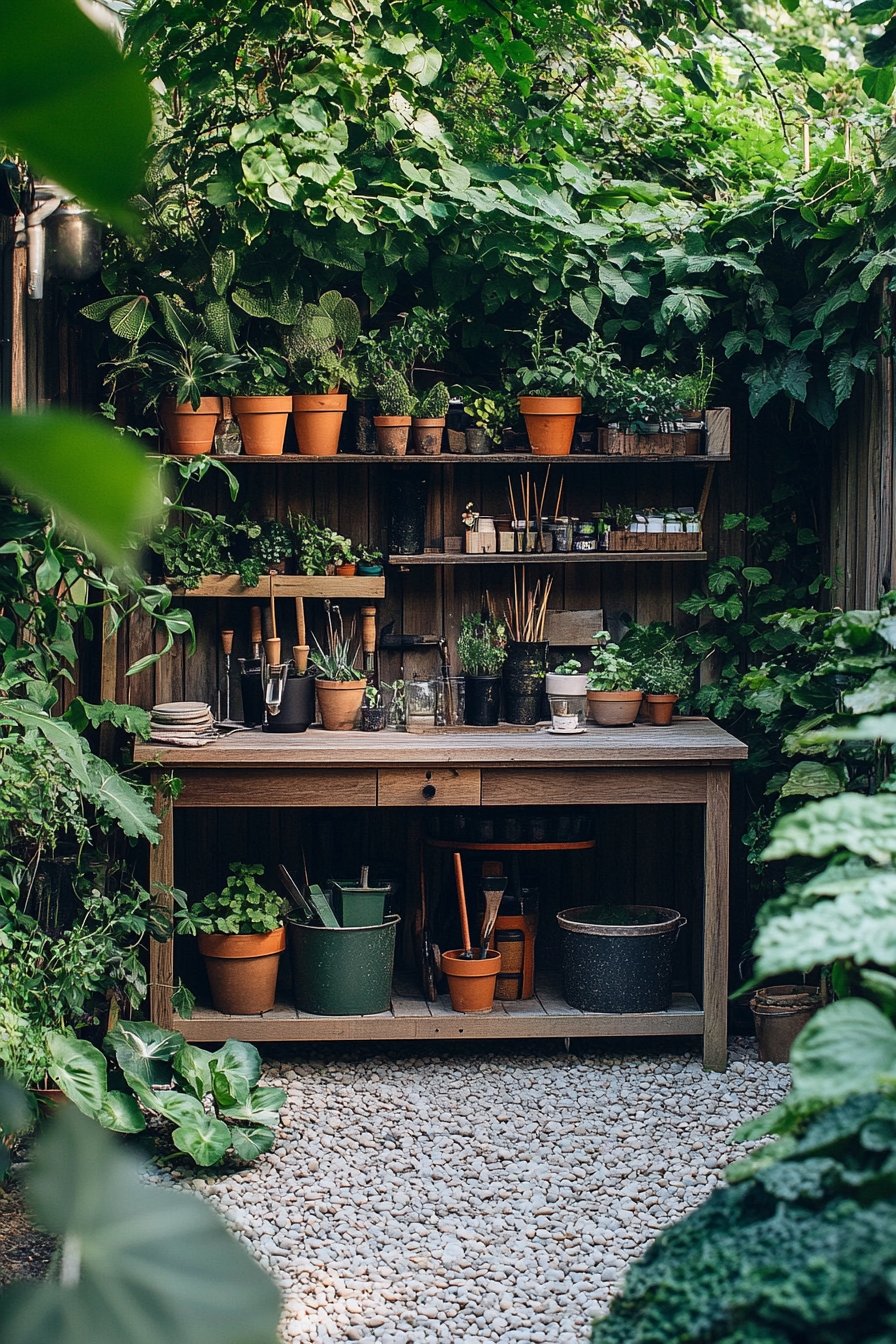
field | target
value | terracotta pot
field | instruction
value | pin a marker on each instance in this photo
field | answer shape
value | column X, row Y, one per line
column 262, row 422
column 660, row 709
column 242, row 969
column 471, row 984
column 392, row 434
column 190, row 433
column 427, row 436
column 317, row 418
column 346, row 571
column 550, row 423
column 779, row 1014
column 614, row 709
column 339, row 703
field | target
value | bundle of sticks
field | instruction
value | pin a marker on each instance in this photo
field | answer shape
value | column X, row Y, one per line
column 529, row 497
column 527, row 613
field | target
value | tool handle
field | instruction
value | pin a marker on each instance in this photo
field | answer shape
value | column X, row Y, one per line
column 272, row 651
column 300, row 657
column 301, row 637
column 368, row 629
column 255, row 624
column 461, row 901
column 227, row 641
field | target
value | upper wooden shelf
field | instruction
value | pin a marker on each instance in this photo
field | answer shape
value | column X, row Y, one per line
column 552, row 558
column 287, row 585
column 461, row 459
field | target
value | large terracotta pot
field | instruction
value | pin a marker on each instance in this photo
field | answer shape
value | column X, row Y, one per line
column 340, row 703
column 427, row 436
column 660, row 709
column 392, row 434
column 190, row 433
column 550, row 423
column 317, row 418
column 242, row 969
column 614, row 709
column 262, row 422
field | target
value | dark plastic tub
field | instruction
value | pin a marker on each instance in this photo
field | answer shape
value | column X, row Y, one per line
column 618, row 959
column 343, row 972
column 356, row 906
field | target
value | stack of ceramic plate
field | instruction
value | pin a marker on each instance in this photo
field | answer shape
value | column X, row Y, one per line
column 182, row 723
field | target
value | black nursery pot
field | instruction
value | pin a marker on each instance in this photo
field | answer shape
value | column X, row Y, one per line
column 524, row 674
column 481, row 698
column 407, row 519
column 296, row 707
column 373, row 718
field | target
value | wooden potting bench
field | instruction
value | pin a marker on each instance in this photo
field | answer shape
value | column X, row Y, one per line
column 689, row 762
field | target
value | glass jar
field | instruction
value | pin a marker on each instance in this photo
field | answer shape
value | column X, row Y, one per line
column 584, row 536
column 228, row 441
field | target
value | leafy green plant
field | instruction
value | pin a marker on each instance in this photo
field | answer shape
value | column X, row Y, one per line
column 190, row 553
column 320, row 345
column 693, row 390
column 570, row 667
column 610, row 670
column 490, row 413
column 558, row 370
column 394, row 394
column 264, row 373
column 482, row 644
column 242, row 906
column 337, row 662
column 433, row 405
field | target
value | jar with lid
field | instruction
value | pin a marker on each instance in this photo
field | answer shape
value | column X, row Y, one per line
column 584, row 537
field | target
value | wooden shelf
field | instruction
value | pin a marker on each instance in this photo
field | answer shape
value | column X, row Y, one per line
column 511, row 846
column 553, row 558
column 412, row 1018
column 460, row 459
column 287, row 585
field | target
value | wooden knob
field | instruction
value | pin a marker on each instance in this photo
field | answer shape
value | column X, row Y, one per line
column 227, row 641
column 255, row 624
column 368, row 629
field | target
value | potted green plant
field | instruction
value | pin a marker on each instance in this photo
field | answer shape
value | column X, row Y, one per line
column 396, row 403
column 240, row 933
column 370, row 561
column 693, row 390
column 665, row 678
column 489, row 416
column 553, row 382
column 342, row 555
column 428, row 421
column 373, row 711
column 263, row 403
column 481, row 651
column 190, row 553
column 265, row 547
column 319, row 348
column 614, row 696
column 340, row 685
column 567, row 678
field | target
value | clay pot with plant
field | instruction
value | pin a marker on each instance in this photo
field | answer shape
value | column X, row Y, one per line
column 240, row 933
column 263, row 404
column 481, row 651
column 319, row 348
column 340, row 685
column 552, row 383
column 693, row 390
column 614, row 695
column 428, row 423
column 394, row 420
column 665, row 678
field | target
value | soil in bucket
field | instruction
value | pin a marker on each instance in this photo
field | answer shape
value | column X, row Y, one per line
column 618, row 959
column 343, row 972
column 779, row 1014
column 471, row 983
column 242, row 969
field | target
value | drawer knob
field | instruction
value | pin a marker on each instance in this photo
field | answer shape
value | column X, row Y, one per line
column 429, row 791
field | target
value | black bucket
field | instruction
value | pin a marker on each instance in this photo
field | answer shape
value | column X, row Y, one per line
column 618, row 959
column 481, row 701
column 525, row 669
column 296, row 706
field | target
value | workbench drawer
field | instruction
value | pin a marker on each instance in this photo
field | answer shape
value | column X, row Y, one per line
column 278, row 788
column 439, row 786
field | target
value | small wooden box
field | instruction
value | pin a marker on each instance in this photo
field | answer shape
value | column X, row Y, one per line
column 656, row 541
column 617, row 443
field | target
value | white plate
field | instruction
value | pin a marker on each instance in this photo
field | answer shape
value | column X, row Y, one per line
column 564, row 732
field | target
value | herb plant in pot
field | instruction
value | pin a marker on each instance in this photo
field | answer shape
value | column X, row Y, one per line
column 428, row 424
column 370, row 561
column 373, row 711
column 394, row 420
column 614, row 696
column 489, row 416
column 481, row 650
column 566, row 689
column 319, row 348
column 240, row 933
column 262, row 409
column 340, row 685
column 665, row 679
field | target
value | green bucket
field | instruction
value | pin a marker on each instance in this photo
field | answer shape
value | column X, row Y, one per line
column 343, row 972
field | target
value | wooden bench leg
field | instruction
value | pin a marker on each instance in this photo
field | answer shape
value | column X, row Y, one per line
column 161, row 878
column 715, row 918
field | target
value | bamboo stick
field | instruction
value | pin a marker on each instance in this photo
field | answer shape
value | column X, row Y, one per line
column 273, row 608
column 559, row 497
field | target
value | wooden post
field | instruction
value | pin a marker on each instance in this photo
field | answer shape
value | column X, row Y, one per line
column 715, row 918
column 161, row 879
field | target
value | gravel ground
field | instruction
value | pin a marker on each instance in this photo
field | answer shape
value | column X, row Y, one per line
column 479, row 1195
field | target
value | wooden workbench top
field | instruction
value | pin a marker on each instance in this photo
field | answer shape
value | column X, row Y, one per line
column 690, row 740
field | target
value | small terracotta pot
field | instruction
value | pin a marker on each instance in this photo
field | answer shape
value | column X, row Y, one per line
column 262, row 422
column 190, row 433
column 242, row 969
column 471, row 984
column 317, row 419
column 339, row 703
column 614, row 709
column 346, row 571
column 427, row 436
column 392, row 434
column 660, row 709
column 550, row 423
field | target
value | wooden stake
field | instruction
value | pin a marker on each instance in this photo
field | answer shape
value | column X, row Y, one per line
column 273, row 608
column 559, row 497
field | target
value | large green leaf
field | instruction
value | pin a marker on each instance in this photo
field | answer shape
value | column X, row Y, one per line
column 140, row 1264
column 71, row 104
column 191, row 1065
column 263, row 1106
column 251, row 1142
column 203, row 1138
column 79, row 1069
column 858, row 924
column 851, row 821
column 121, row 801
column 235, row 1068
column 94, row 481
column 144, row 1050
column 121, row 1113
column 846, row 1048
column 813, row 779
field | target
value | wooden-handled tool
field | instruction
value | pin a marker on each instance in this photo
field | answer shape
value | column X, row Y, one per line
column 272, row 645
column 227, row 647
column 467, row 953
column 300, row 649
column 493, row 889
column 255, row 630
column 368, row 641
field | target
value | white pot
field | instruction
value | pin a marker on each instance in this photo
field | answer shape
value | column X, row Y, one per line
column 674, row 527
column 692, row 527
column 558, row 684
column 654, row 525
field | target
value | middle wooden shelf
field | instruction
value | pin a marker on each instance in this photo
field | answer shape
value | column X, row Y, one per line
column 552, row 558
column 288, row 585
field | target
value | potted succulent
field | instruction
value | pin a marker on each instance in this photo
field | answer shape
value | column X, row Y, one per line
column 489, row 416
column 240, row 933
column 481, row 650
column 665, row 677
column 340, row 685
column 396, row 403
column 614, row 696
column 262, row 409
column 373, row 711
column 370, row 561
column 428, row 423
column 319, row 347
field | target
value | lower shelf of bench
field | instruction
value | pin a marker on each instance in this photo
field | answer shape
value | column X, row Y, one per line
column 414, row 1019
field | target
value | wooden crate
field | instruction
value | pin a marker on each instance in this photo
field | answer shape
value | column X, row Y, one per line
column 656, row 541
column 617, row 443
